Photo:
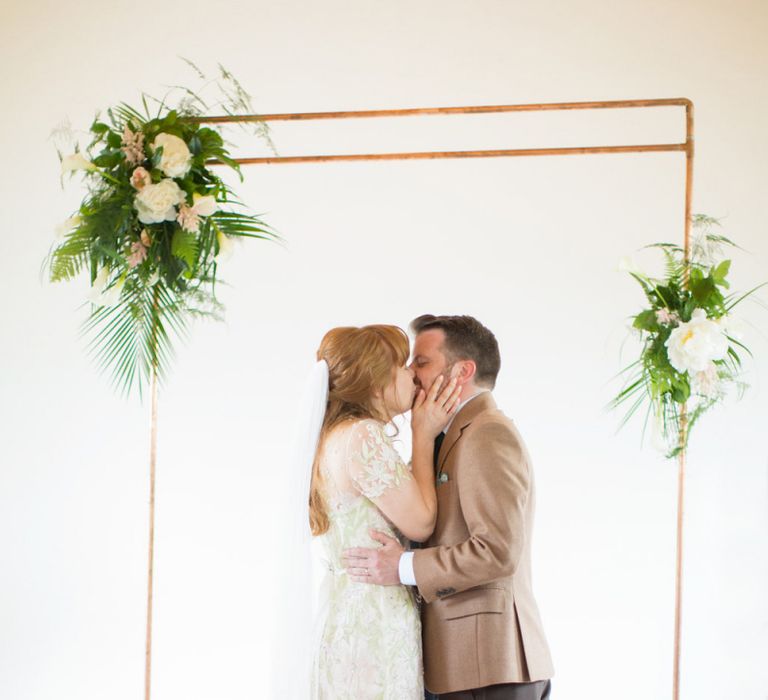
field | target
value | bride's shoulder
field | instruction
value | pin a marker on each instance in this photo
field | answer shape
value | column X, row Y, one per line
column 358, row 427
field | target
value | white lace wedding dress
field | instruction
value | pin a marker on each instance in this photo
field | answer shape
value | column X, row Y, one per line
column 370, row 643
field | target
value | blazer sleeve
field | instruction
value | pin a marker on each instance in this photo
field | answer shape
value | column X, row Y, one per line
column 493, row 483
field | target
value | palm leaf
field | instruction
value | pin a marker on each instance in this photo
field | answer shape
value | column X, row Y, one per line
column 236, row 224
column 131, row 340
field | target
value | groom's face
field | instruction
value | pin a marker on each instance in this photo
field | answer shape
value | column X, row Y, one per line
column 429, row 362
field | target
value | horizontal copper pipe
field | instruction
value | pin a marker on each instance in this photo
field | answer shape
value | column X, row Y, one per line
column 540, row 107
column 424, row 155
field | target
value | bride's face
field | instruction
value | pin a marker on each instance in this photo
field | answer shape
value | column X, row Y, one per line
column 400, row 393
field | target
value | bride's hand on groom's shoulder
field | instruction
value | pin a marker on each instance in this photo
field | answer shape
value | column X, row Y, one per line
column 431, row 411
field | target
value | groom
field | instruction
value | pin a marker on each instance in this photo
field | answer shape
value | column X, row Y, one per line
column 482, row 634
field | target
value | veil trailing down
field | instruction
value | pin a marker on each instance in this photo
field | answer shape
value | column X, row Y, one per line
column 299, row 616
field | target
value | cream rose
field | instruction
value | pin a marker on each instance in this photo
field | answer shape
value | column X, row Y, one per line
column 176, row 159
column 692, row 346
column 156, row 203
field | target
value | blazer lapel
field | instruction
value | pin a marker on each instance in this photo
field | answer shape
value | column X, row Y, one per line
column 483, row 402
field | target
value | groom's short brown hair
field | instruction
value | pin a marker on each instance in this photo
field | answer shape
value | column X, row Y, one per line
column 466, row 339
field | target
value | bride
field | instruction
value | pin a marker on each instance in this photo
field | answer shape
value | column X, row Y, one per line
column 370, row 639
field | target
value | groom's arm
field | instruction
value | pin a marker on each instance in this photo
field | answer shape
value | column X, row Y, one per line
column 493, row 482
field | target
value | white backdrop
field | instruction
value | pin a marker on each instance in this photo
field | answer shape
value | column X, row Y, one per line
column 529, row 246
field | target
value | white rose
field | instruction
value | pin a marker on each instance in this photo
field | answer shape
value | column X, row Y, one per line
column 176, row 159
column 77, row 161
column 156, row 203
column 692, row 346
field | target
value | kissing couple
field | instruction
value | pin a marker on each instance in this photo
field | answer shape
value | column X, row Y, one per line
column 434, row 554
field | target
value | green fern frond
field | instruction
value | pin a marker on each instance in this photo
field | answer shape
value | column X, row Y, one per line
column 184, row 245
column 69, row 258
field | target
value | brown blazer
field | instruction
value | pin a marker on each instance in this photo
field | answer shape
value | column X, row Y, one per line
column 480, row 622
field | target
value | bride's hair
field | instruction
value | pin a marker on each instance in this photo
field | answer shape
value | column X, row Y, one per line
column 361, row 361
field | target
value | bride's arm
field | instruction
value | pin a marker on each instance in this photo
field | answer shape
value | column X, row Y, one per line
column 406, row 497
column 429, row 416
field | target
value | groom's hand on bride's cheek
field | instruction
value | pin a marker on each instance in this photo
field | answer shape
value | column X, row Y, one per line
column 379, row 566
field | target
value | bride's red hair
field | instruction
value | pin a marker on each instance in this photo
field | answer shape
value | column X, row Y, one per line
column 361, row 361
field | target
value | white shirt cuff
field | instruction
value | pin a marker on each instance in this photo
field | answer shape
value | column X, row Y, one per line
column 405, row 569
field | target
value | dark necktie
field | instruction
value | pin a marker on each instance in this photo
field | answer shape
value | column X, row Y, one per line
column 438, row 441
column 418, row 545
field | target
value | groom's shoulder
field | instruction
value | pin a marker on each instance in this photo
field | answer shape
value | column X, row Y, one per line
column 493, row 422
column 493, row 415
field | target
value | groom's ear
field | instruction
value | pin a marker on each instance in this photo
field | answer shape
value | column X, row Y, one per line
column 467, row 371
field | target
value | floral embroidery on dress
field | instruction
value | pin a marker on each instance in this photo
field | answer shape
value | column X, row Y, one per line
column 378, row 466
column 370, row 644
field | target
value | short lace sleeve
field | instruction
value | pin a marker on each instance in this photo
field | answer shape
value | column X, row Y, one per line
column 374, row 463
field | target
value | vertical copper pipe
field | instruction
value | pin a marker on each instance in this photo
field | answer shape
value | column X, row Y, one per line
column 150, row 570
column 688, row 177
column 683, row 416
column 679, row 562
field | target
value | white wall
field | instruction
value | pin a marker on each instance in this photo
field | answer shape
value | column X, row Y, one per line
column 527, row 245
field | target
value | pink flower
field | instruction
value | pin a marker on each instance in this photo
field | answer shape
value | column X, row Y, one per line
column 667, row 316
column 133, row 146
column 138, row 254
column 140, row 178
column 189, row 217
column 705, row 382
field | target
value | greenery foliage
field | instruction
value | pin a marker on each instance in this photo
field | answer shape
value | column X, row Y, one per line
column 691, row 352
column 153, row 227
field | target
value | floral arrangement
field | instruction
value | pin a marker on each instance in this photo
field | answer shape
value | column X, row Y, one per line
column 154, row 226
column 691, row 342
